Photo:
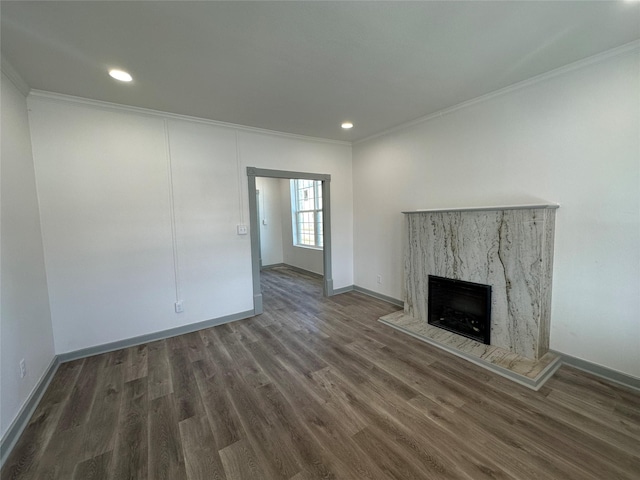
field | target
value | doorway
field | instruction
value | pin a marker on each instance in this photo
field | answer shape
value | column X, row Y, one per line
column 254, row 218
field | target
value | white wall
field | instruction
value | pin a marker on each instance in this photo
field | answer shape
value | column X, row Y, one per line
column 117, row 186
column 270, row 213
column 574, row 139
column 214, row 262
column 25, row 320
column 103, row 185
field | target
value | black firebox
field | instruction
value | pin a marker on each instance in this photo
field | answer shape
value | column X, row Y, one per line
column 461, row 307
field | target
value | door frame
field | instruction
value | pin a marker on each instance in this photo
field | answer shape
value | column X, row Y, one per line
column 252, row 173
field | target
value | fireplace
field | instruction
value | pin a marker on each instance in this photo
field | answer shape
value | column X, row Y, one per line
column 508, row 252
column 460, row 307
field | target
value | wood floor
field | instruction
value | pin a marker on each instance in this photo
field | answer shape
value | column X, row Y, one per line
column 317, row 388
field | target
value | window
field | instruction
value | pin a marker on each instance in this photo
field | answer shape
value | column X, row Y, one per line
column 306, row 212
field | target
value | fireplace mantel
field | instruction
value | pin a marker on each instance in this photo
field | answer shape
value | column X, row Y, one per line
column 533, row 206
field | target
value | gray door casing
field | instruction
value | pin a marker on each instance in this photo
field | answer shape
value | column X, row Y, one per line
column 252, row 173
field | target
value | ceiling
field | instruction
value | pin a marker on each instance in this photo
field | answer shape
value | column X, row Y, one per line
column 304, row 67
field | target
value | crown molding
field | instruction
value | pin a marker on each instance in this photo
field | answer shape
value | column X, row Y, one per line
column 62, row 98
column 13, row 75
column 594, row 59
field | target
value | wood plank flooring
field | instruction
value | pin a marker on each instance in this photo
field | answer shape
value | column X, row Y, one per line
column 317, row 388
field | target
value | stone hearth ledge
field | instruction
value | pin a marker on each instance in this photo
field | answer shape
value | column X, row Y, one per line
column 525, row 371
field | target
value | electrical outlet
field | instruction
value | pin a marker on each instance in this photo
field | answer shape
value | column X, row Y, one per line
column 379, row 279
column 23, row 368
column 243, row 230
column 179, row 306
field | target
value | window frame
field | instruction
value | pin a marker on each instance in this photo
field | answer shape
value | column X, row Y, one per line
column 317, row 212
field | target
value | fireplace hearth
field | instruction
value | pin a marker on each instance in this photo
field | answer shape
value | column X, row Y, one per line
column 460, row 307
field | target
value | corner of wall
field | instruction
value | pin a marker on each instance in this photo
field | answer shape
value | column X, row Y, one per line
column 27, row 331
column 13, row 75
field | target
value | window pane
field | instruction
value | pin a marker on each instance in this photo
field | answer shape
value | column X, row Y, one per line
column 306, row 228
column 307, row 212
column 319, row 229
column 319, row 195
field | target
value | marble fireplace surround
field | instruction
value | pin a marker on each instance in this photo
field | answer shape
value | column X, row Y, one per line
column 508, row 247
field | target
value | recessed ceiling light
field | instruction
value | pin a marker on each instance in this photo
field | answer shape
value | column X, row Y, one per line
column 120, row 75
column 347, row 125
